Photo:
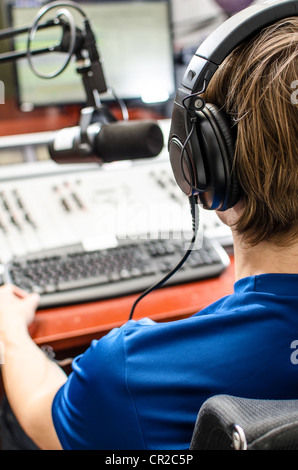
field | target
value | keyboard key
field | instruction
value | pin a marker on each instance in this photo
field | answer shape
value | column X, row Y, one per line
column 82, row 282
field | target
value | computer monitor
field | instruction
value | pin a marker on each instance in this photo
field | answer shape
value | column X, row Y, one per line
column 135, row 44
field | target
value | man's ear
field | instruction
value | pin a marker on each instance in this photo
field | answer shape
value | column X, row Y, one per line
column 231, row 216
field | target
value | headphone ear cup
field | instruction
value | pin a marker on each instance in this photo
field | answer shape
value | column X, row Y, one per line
column 218, row 142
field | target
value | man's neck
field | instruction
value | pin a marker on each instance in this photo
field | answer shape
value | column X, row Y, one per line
column 264, row 258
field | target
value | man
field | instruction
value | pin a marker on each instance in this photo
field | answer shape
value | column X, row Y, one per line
column 141, row 386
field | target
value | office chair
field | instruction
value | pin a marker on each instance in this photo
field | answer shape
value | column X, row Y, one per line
column 225, row 422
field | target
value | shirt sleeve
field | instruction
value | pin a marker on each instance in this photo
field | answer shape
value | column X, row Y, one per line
column 95, row 400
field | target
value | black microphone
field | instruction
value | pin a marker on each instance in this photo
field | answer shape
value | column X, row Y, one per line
column 108, row 142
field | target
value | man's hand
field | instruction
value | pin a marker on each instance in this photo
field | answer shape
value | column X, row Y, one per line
column 31, row 380
column 17, row 310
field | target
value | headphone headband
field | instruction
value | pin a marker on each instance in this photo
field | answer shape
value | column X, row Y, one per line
column 201, row 143
column 218, row 45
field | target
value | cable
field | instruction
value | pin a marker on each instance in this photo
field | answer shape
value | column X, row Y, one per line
column 183, row 151
column 121, row 103
column 195, row 224
column 192, row 201
column 193, row 120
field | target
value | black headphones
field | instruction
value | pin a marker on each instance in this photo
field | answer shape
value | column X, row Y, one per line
column 202, row 139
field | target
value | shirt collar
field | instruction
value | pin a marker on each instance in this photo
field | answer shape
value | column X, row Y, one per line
column 279, row 284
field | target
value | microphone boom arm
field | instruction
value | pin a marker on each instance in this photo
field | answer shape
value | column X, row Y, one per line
column 99, row 137
column 10, row 33
column 89, row 66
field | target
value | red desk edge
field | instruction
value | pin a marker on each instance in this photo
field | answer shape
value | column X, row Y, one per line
column 72, row 326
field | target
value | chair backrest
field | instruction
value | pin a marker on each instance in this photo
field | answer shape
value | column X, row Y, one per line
column 225, row 422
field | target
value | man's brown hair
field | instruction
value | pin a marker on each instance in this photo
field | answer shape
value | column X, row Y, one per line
column 256, row 86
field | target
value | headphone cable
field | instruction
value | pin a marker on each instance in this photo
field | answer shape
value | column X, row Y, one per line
column 195, row 224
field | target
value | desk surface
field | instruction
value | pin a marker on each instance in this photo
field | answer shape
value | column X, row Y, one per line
column 77, row 325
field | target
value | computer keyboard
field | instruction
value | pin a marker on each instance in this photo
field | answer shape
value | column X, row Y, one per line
column 71, row 275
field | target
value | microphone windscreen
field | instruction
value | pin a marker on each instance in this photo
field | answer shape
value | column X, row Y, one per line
column 128, row 140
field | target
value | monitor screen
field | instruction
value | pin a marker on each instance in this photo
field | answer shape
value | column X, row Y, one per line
column 134, row 41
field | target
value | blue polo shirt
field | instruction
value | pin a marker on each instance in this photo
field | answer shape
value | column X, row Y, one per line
column 141, row 386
